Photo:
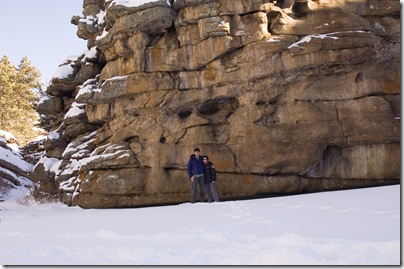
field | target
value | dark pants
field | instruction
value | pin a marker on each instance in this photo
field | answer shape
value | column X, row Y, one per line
column 210, row 188
column 198, row 180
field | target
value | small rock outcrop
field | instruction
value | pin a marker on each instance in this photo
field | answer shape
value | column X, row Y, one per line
column 14, row 170
column 284, row 96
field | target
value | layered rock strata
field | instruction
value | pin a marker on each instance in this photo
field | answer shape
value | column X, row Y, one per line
column 14, row 170
column 285, row 97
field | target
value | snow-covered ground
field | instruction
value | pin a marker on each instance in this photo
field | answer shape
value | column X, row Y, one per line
column 352, row 227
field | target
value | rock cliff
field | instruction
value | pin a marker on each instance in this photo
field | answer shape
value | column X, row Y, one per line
column 286, row 97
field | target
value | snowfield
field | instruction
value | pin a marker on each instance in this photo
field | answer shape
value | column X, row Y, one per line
column 351, row 227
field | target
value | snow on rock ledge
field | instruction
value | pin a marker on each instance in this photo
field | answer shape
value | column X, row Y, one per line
column 14, row 170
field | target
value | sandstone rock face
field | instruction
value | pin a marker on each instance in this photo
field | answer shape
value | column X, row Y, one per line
column 285, row 97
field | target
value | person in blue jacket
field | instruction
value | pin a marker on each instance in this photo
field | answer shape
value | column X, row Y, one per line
column 195, row 173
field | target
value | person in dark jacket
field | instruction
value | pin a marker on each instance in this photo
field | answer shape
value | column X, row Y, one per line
column 210, row 179
column 195, row 173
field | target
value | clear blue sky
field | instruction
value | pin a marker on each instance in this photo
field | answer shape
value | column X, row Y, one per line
column 40, row 30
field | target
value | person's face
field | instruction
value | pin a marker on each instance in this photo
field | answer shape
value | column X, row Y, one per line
column 197, row 153
column 205, row 160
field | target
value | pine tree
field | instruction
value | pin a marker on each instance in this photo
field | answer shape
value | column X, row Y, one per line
column 7, row 79
column 19, row 92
